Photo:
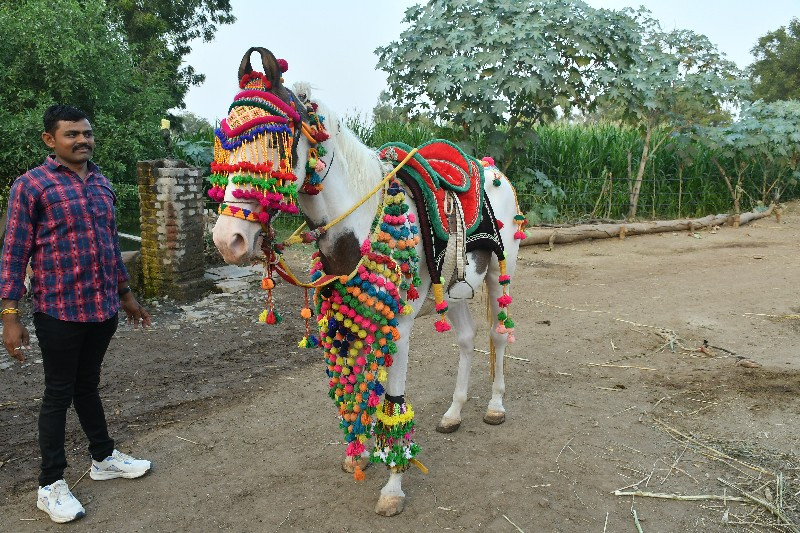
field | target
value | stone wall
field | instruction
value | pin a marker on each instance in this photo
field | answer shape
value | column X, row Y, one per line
column 171, row 203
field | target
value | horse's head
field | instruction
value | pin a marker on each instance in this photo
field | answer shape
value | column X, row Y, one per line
column 256, row 168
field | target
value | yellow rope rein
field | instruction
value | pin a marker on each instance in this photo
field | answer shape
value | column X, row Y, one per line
column 295, row 238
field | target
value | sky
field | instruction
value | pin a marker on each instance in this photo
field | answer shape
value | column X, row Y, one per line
column 331, row 44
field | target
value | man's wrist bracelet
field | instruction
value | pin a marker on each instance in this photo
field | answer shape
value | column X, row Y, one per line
column 124, row 290
column 9, row 311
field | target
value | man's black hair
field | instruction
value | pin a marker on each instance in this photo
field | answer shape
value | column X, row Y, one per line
column 57, row 112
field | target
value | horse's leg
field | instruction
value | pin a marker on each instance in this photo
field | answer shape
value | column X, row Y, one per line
column 464, row 327
column 496, row 412
column 392, row 498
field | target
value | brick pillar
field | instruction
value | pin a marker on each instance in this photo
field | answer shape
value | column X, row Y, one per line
column 171, row 203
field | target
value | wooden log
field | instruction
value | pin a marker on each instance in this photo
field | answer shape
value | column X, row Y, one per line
column 567, row 234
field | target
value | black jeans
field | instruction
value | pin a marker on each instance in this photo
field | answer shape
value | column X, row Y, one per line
column 72, row 353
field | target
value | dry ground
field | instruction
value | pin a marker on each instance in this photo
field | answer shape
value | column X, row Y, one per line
column 243, row 436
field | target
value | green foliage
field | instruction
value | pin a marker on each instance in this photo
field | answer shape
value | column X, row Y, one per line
column 193, row 140
column 542, row 195
column 776, row 70
column 158, row 33
column 483, row 65
column 767, row 137
column 676, row 79
column 65, row 51
column 575, row 171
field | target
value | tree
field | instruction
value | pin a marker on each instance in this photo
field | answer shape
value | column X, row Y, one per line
column 676, row 79
column 776, row 70
column 495, row 67
column 66, row 51
column 766, row 135
column 158, row 33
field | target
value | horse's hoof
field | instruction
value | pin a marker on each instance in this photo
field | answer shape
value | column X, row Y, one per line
column 390, row 505
column 448, row 425
column 495, row 418
column 349, row 464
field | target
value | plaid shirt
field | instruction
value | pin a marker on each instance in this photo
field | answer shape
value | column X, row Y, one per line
column 66, row 225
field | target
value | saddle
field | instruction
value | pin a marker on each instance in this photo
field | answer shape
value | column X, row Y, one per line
column 455, row 214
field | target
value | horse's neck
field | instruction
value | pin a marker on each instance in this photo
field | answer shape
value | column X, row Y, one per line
column 354, row 171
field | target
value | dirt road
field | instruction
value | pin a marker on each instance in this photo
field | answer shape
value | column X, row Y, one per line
column 607, row 389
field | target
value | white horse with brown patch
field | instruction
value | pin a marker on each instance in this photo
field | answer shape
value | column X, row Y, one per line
column 371, row 274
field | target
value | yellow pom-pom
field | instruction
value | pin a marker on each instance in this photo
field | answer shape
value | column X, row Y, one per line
column 263, row 316
column 382, row 376
column 407, row 309
column 303, row 342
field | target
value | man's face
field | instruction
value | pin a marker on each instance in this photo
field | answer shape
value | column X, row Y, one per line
column 73, row 142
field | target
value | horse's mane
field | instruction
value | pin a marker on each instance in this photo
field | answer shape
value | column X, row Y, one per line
column 361, row 163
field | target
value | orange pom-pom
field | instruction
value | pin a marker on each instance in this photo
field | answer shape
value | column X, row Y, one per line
column 267, row 284
column 358, row 475
column 305, row 313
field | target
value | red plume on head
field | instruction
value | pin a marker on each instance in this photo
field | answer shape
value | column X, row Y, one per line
column 283, row 65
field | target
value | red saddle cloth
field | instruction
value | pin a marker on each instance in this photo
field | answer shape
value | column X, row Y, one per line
column 439, row 166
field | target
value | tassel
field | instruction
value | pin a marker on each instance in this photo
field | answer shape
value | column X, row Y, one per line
column 358, row 474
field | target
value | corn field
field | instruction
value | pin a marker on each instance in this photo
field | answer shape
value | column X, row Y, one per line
column 591, row 164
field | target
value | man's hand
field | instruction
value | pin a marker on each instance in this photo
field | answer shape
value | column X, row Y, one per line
column 15, row 336
column 134, row 312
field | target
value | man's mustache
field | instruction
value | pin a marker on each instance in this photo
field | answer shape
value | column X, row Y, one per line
column 80, row 147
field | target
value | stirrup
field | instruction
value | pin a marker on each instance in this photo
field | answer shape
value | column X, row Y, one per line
column 461, row 290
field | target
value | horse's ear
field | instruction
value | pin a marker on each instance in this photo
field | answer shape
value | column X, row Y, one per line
column 271, row 69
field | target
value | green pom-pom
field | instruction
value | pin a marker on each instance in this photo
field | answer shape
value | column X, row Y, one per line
column 509, row 323
column 496, row 182
column 519, row 218
column 501, row 316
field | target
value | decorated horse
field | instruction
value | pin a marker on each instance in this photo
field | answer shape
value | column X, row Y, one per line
column 396, row 230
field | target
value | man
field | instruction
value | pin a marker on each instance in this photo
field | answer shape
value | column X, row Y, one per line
column 61, row 216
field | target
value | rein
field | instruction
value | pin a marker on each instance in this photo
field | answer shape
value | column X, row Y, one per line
column 298, row 237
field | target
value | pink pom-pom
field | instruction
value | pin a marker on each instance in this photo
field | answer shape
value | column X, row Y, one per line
column 237, row 193
column 373, row 400
column 441, row 307
column 355, row 448
column 511, row 338
column 412, row 217
column 501, row 328
column 504, row 300
column 348, row 389
column 504, row 277
column 519, row 235
column 442, row 326
column 489, row 160
column 320, row 166
column 283, row 65
column 365, row 247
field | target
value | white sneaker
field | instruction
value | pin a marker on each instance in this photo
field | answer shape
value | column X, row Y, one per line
column 57, row 501
column 118, row 465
